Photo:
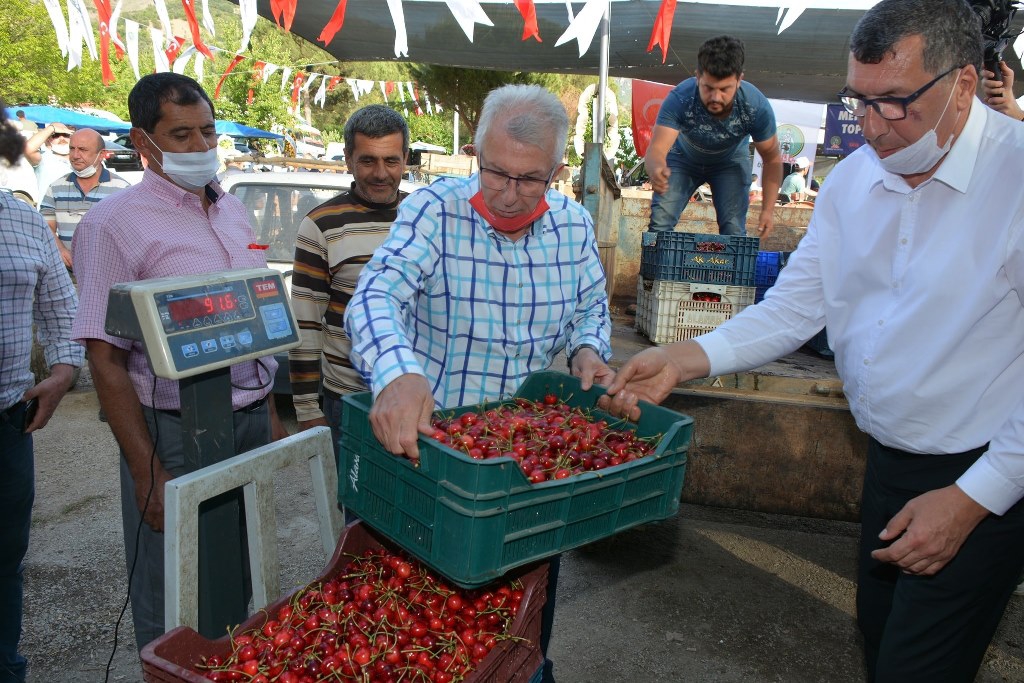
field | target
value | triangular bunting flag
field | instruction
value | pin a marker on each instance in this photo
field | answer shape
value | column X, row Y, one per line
column 285, row 75
column 160, row 63
column 401, row 37
column 131, row 40
column 231, row 67
column 247, row 10
column 283, row 12
column 208, row 19
column 662, row 31
column 334, row 25
column 193, row 26
column 268, row 70
column 60, row 26
column 103, row 18
column 165, row 20
column 182, row 61
column 529, row 12
column 468, row 13
column 584, row 26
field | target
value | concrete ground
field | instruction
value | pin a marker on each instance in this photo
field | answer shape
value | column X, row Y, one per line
column 711, row 595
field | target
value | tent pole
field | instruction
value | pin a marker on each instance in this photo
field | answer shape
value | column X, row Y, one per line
column 602, row 78
column 455, row 131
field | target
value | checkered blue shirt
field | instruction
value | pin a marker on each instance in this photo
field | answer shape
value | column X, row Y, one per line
column 34, row 286
column 448, row 297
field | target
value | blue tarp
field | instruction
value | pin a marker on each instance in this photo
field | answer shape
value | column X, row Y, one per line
column 239, row 130
column 44, row 114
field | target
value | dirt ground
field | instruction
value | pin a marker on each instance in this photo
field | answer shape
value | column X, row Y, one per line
column 711, row 595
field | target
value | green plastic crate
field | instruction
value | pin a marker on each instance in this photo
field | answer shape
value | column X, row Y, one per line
column 474, row 520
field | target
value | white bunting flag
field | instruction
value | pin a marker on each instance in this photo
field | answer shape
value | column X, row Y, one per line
column 269, row 69
column 426, row 103
column 208, row 19
column 321, row 93
column 584, row 26
column 309, row 82
column 60, row 25
column 365, row 86
column 160, row 64
column 247, row 8
column 79, row 21
column 792, row 11
column 468, row 13
column 165, row 21
column 199, row 66
column 383, row 91
column 354, row 86
column 131, row 39
column 285, row 77
column 401, row 37
column 182, row 60
column 115, row 17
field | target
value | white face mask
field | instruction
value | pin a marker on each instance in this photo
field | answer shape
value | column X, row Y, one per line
column 62, row 148
column 922, row 155
column 189, row 170
column 89, row 171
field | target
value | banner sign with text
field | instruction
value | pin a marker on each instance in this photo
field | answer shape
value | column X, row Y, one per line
column 842, row 132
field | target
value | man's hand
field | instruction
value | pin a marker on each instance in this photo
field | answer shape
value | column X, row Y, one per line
column 766, row 221
column 277, row 428
column 659, row 176
column 401, row 413
column 153, row 511
column 999, row 94
column 49, row 392
column 930, row 530
column 591, row 369
column 65, row 253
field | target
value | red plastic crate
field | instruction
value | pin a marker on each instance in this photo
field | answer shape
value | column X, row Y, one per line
column 172, row 657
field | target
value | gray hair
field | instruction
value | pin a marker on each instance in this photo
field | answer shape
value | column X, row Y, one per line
column 950, row 28
column 375, row 121
column 530, row 114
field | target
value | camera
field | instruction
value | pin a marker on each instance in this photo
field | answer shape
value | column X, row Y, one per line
column 995, row 18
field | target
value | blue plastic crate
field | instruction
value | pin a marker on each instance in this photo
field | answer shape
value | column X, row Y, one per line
column 767, row 269
column 678, row 257
column 759, row 293
column 819, row 344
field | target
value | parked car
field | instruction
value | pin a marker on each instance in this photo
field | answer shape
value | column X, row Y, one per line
column 277, row 202
column 119, row 157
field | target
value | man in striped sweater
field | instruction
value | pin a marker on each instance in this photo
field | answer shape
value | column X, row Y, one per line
column 333, row 244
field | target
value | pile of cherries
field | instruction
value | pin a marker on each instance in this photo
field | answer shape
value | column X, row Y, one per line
column 383, row 619
column 549, row 439
column 710, row 246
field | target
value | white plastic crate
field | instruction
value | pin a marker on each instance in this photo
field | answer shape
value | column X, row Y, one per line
column 666, row 311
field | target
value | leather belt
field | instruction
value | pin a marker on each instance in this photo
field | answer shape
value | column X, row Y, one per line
column 251, row 408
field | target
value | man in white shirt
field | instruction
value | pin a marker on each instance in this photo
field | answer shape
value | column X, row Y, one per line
column 919, row 277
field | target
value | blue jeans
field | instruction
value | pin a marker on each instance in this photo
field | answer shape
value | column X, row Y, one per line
column 17, row 492
column 730, row 192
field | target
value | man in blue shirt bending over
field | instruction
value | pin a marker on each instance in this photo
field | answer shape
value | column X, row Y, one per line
column 703, row 135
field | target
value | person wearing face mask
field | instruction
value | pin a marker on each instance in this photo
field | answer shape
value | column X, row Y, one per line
column 47, row 151
column 482, row 281
column 177, row 221
column 919, row 277
column 68, row 198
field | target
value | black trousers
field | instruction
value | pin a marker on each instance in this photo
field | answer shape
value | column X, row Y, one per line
column 932, row 629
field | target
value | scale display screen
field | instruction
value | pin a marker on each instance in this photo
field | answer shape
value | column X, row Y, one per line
column 199, row 307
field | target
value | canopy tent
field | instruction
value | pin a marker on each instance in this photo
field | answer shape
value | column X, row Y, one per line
column 239, row 130
column 427, row 147
column 44, row 114
column 805, row 61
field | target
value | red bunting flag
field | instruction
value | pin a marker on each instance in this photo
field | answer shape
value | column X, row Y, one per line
column 103, row 11
column 334, row 25
column 335, row 80
column 193, row 25
column 297, row 85
column 389, row 88
column 662, row 31
column 257, row 76
column 231, row 67
column 529, row 13
column 173, row 48
column 283, row 12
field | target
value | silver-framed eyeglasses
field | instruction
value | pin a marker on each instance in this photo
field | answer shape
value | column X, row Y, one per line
column 889, row 108
column 526, row 186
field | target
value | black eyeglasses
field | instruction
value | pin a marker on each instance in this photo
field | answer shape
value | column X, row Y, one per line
column 889, row 108
column 527, row 186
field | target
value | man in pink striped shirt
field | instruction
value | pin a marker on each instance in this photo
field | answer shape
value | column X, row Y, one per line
column 177, row 221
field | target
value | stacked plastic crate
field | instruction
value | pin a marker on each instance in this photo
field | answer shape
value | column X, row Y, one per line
column 690, row 283
column 769, row 263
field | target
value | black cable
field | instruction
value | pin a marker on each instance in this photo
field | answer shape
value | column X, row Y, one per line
column 138, row 532
column 270, row 379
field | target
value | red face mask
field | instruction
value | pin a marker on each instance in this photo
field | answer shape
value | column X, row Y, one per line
column 507, row 225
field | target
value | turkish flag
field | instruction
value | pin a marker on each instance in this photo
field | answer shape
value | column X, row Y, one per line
column 193, row 25
column 334, row 25
column 647, row 99
column 662, row 31
column 297, row 85
column 103, row 11
column 173, row 48
column 335, row 80
column 529, row 13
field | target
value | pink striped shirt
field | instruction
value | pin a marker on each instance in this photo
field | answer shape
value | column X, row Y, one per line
column 156, row 229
